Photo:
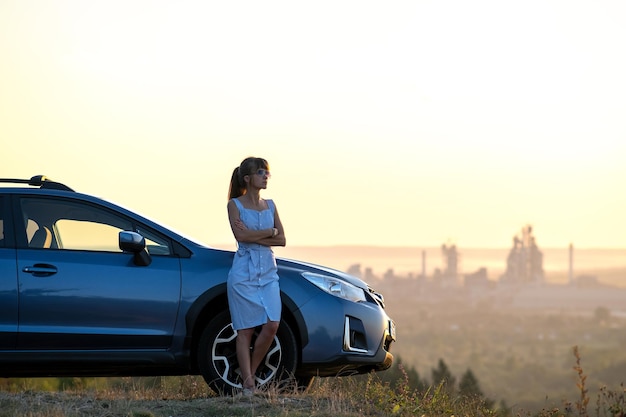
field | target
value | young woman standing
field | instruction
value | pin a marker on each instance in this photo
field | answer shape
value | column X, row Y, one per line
column 253, row 290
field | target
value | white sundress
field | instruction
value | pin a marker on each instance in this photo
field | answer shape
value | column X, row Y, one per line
column 253, row 291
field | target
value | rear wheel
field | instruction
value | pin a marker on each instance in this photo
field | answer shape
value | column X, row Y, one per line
column 217, row 356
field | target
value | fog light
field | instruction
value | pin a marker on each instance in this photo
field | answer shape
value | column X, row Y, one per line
column 354, row 336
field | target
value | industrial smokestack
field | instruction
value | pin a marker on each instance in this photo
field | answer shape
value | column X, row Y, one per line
column 571, row 264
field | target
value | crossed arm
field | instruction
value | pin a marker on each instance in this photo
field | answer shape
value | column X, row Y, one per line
column 274, row 236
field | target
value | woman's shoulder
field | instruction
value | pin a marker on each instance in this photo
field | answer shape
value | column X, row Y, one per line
column 235, row 201
column 270, row 204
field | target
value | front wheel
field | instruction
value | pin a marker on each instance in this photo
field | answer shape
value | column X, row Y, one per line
column 217, row 356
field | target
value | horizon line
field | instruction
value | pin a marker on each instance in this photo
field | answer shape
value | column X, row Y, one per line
column 361, row 245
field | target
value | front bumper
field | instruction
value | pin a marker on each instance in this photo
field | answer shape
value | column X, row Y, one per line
column 346, row 337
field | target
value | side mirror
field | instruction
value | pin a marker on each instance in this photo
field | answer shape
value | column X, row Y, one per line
column 136, row 244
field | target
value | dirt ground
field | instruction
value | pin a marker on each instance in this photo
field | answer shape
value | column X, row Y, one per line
column 40, row 404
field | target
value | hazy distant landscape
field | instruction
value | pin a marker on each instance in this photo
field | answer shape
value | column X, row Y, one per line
column 517, row 339
column 608, row 264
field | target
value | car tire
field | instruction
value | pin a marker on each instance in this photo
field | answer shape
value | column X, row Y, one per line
column 217, row 357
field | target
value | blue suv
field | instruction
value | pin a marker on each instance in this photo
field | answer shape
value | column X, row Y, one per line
column 88, row 288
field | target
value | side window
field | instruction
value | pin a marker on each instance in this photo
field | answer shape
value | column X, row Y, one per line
column 156, row 245
column 61, row 224
column 31, row 228
column 88, row 235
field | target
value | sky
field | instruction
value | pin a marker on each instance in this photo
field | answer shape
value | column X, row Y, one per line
column 402, row 123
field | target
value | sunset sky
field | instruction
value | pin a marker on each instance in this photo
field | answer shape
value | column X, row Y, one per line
column 402, row 123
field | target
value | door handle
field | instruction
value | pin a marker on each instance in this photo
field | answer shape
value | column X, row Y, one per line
column 40, row 270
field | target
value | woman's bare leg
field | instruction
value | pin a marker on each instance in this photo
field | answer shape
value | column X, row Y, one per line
column 244, row 337
column 262, row 344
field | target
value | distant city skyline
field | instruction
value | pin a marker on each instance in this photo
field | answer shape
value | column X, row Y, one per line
column 608, row 264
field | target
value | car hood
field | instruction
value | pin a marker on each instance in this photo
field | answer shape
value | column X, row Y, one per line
column 320, row 269
column 301, row 266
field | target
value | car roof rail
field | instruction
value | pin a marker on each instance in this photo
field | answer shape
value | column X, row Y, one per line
column 40, row 181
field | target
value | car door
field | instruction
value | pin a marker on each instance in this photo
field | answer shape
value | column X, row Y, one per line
column 78, row 290
column 8, row 282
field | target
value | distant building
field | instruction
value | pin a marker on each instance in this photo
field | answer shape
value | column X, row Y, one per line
column 451, row 260
column 369, row 274
column 524, row 265
column 450, row 273
column 355, row 270
column 477, row 279
column 389, row 274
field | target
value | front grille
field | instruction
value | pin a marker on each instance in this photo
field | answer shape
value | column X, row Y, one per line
column 378, row 297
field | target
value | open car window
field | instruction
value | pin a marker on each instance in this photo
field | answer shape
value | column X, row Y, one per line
column 155, row 244
column 78, row 226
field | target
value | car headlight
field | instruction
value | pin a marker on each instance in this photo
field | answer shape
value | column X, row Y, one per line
column 336, row 287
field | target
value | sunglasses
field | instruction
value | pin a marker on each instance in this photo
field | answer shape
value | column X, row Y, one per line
column 263, row 172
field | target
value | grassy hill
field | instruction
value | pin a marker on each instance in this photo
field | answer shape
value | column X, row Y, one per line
column 328, row 397
column 518, row 342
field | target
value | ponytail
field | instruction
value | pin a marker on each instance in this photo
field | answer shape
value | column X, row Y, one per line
column 236, row 188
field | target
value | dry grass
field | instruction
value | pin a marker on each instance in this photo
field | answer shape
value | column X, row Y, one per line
column 153, row 403
column 328, row 397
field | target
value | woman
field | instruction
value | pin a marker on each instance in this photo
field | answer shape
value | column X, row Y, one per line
column 253, row 291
